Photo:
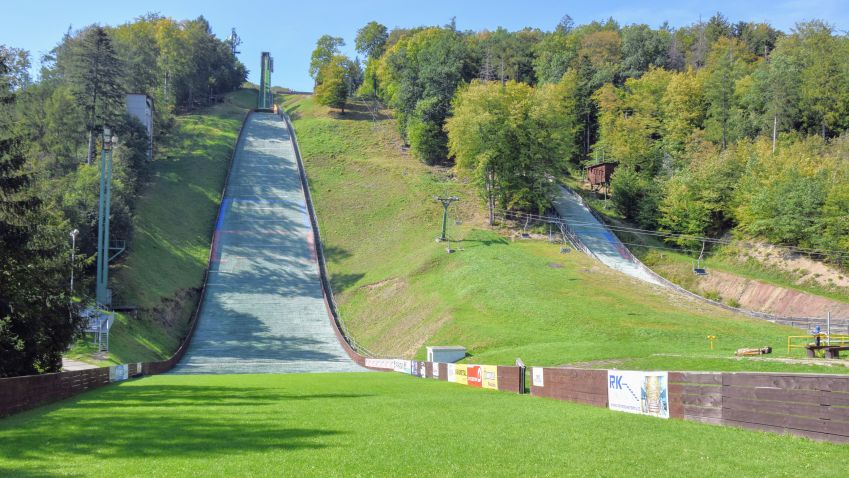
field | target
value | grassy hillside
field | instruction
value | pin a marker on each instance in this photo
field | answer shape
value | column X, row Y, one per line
column 372, row 425
column 163, row 267
column 398, row 290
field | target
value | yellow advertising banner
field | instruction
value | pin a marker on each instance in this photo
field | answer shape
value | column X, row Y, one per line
column 461, row 374
column 490, row 376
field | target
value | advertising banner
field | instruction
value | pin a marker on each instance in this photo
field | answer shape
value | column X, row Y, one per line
column 473, row 376
column 451, row 372
column 420, row 370
column 435, row 373
column 644, row 393
column 387, row 364
column 414, row 368
column 402, row 366
column 490, row 376
column 536, row 377
column 118, row 373
column 460, row 373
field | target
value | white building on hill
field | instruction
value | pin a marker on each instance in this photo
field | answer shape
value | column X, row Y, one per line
column 140, row 106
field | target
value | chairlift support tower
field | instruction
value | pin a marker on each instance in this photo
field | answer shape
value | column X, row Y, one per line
column 446, row 201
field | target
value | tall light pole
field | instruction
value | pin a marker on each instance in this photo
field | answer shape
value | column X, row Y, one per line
column 74, row 234
column 104, row 210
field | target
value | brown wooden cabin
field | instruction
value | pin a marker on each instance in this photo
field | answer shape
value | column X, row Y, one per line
column 599, row 174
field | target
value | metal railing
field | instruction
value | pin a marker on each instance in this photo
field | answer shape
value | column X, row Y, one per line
column 805, row 341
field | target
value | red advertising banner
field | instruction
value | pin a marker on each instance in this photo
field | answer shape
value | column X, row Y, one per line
column 475, row 377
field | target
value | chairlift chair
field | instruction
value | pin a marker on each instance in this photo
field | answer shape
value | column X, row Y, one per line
column 697, row 265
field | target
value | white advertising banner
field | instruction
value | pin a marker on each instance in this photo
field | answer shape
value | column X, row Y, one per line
column 403, row 366
column 450, row 372
column 435, row 369
column 118, row 373
column 644, row 393
column 387, row 364
column 536, row 376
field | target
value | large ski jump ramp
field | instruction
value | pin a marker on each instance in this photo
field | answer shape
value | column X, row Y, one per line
column 263, row 309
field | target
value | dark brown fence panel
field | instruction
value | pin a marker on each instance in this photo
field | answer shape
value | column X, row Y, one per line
column 443, row 371
column 696, row 396
column 574, row 385
column 23, row 393
column 510, row 379
column 815, row 406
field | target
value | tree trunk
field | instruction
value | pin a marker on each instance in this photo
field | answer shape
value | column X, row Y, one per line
column 490, row 198
column 90, row 150
column 774, row 132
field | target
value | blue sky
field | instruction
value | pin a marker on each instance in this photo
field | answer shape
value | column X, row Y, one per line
column 289, row 29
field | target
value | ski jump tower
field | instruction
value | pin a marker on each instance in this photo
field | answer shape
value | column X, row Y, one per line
column 265, row 100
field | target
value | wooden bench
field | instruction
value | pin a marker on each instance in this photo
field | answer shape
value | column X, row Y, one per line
column 831, row 351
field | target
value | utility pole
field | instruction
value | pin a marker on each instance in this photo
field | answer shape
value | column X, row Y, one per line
column 446, row 201
column 74, row 234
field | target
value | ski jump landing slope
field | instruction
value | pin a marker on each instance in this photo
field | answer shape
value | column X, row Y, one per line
column 598, row 239
column 263, row 309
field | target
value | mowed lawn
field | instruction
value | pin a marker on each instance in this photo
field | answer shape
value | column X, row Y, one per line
column 399, row 291
column 378, row 424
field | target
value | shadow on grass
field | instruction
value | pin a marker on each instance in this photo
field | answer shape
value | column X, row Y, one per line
column 161, row 421
column 484, row 242
column 340, row 282
column 335, row 253
column 26, row 473
column 359, row 111
column 292, row 111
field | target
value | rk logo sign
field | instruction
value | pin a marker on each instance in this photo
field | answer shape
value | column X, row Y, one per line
column 615, row 382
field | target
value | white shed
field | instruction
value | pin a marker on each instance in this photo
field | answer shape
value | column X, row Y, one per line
column 446, row 354
column 140, row 106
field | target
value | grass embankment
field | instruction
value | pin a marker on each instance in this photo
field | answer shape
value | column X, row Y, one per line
column 398, row 290
column 373, row 425
column 172, row 229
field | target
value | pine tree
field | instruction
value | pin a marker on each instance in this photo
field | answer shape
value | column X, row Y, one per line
column 95, row 75
column 37, row 319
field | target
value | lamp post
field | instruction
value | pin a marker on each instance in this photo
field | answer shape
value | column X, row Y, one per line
column 104, row 210
column 74, row 234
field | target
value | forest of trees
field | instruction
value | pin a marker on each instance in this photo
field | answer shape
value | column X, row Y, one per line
column 49, row 161
column 716, row 127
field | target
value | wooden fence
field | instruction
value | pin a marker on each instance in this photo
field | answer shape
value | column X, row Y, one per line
column 814, row 406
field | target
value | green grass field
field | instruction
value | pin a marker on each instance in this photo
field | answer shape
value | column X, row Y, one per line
column 398, row 290
column 172, row 229
column 373, row 425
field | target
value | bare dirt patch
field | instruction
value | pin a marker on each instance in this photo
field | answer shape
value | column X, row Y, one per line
column 805, row 269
